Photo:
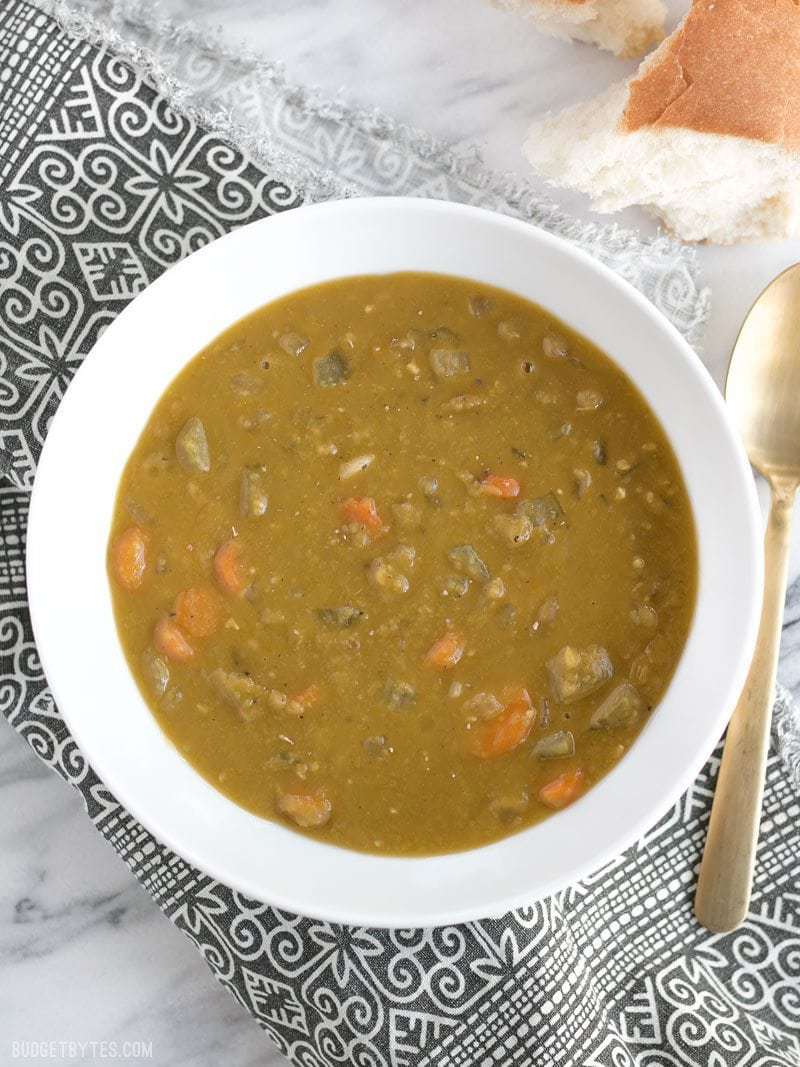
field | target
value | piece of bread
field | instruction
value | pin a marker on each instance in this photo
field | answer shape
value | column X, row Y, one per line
column 626, row 27
column 706, row 135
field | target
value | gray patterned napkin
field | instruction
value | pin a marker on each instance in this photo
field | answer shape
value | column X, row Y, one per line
column 120, row 152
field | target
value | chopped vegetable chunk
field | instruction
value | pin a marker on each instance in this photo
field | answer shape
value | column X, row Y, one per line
column 506, row 730
column 239, row 690
column 483, row 705
column 397, row 695
column 362, row 511
column 170, row 641
column 588, row 400
column 293, row 344
column 621, row 708
column 499, row 485
column 156, row 671
column 583, row 481
column 191, row 447
column 385, row 573
column 576, row 672
column 197, row 611
column 330, row 370
column 510, row 807
column 446, row 653
column 229, row 569
column 306, row 809
column 129, row 558
column 253, row 499
column 354, row 467
column 465, row 559
column 340, row 618
column 456, row 585
column 516, row 529
column 449, row 362
column 445, row 335
column 543, row 511
column 563, row 790
column 305, row 699
column 559, row 745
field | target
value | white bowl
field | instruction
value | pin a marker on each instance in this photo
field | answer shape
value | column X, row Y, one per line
column 103, row 414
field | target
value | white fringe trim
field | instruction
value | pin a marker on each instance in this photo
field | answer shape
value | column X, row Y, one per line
column 104, row 22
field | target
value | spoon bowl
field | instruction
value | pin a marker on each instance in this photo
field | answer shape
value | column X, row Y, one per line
column 763, row 384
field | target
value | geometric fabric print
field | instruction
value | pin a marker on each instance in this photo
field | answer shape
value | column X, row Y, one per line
column 274, row 1000
column 112, row 269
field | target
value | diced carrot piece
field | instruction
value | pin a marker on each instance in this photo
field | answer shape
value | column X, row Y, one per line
column 229, row 569
column 363, row 511
column 446, row 652
column 129, row 558
column 308, row 696
column 507, row 730
column 499, row 485
column 562, row 790
column 169, row 640
column 306, row 809
column 304, row 700
column 197, row 611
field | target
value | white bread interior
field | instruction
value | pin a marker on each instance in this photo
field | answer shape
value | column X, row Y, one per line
column 627, row 28
column 702, row 185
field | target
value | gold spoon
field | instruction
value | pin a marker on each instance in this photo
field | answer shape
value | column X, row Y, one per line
column 763, row 394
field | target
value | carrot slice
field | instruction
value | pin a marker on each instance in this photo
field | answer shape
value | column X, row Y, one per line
column 363, row 511
column 197, row 611
column 310, row 695
column 229, row 569
column 446, row 652
column 499, row 485
column 507, row 730
column 306, row 809
column 169, row 640
column 562, row 790
column 304, row 700
column 129, row 558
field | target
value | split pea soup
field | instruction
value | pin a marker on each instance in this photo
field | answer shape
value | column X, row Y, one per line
column 402, row 562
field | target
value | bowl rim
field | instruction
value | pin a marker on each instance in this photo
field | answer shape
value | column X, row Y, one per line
column 391, row 913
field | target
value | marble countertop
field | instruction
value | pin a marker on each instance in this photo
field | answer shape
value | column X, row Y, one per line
column 85, row 955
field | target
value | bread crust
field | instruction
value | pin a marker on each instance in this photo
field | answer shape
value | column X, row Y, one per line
column 732, row 67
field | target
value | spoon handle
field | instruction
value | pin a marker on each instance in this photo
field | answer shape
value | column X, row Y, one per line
column 726, row 872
